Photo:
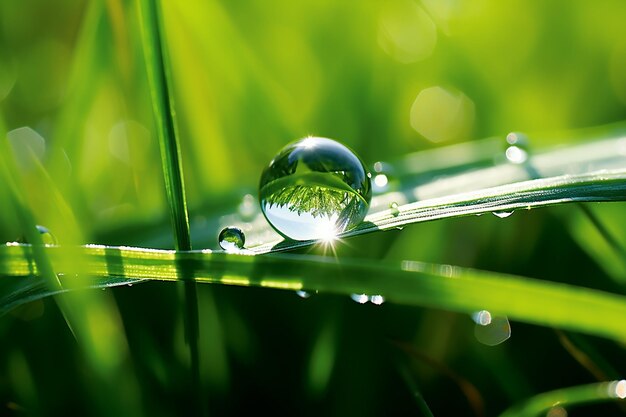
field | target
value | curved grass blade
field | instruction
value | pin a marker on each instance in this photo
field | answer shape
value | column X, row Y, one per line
column 597, row 186
column 583, row 394
column 411, row 283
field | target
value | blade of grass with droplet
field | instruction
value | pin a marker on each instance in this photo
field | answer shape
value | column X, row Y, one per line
column 568, row 397
column 597, row 186
column 411, row 283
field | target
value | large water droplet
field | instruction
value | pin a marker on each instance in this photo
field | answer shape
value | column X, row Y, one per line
column 232, row 239
column 315, row 188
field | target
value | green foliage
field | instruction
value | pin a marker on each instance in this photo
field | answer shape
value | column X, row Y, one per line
column 96, row 329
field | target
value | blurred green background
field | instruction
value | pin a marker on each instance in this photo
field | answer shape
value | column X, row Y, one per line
column 386, row 78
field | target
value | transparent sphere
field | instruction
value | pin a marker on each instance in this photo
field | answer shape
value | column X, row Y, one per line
column 315, row 188
column 231, row 239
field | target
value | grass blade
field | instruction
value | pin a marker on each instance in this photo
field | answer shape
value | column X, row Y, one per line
column 596, row 186
column 411, row 283
column 583, row 394
column 163, row 107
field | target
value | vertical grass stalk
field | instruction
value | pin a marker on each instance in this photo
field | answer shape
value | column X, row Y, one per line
column 159, row 81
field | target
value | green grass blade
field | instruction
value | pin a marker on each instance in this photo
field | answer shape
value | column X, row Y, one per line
column 411, row 283
column 597, row 186
column 566, row 397
column 163, row 107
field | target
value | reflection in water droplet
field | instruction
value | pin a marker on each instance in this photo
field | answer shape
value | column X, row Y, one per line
column 360, row 298
column 315, row 188
column 502, row 214
column 232, row 239
column 377, row 299
column 393, row 207
column 496, row 331
column 303, row 294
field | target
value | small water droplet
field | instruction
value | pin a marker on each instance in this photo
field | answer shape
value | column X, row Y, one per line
column 232, row 239
column 491, row 330
column 482, row 317
column 516, row 147
column 618, row 389
column 377, row 299
column 382, row 177
column 315, row 188
column 393, row 207
column 502, row 214
column 360, row 298
column 516, row 154
column 303, row 294
column 47, row 237
column 517, row 139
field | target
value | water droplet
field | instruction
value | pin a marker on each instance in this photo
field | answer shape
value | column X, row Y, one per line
column 231, row 239
column 315, row 188
column 502, row 214
column 618, row 389
column 516, row 154
column 491, row 330
column 360, row 298
column 393, row 207
column 516, row 147
column 377, row 299
column 517, row 139
column 303, row 294
column 482, row 317
column 382, row 177
column 47, row 237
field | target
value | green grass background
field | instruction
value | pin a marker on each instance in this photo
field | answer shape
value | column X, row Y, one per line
column 248, row 77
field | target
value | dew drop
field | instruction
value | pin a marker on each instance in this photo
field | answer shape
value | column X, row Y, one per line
column 502, row 214
column 360, row 298
column 377, row 299
column 393, row 207
column 517, row 139
column 47, row 237
column 232, row 239
column 382, row 177
column 491, row 330
column 315, row 188
column 516, row 148
column 303, row 294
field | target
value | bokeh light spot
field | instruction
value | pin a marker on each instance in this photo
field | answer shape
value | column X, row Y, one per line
column 440, row 114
